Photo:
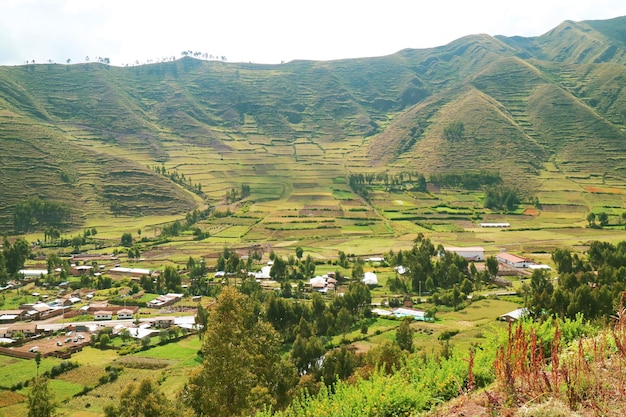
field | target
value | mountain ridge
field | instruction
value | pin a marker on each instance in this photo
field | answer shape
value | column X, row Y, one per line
column 517, row 103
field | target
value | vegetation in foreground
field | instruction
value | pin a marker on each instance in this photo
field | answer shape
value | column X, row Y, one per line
column 546, row 360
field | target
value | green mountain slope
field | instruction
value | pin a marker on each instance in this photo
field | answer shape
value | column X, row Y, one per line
column 85, row 133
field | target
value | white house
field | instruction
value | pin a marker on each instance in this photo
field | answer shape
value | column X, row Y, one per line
column 495, row 225
column 124, row 313
column 32, row 273
column 103, row 315
column 514, row 315
column 370, row 278
column 513, row 260
column 471, row 253
column 409, row 312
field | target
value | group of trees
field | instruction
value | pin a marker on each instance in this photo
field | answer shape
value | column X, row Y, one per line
column 500, row 197
column 447, row 276
column 168, row 281
column 234, row 194
column 191, row 218
column 602, row 219
column 466, row 180
column 12, row 258
column 401, row 181
column 179, row 179
column 34, row 213
column 243, row 369
column 594, row 286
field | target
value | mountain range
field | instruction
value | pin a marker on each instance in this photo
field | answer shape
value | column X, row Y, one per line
column 90, row 135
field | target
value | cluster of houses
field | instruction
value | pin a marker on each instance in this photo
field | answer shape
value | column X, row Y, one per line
column 477, row 254
column 165, row 300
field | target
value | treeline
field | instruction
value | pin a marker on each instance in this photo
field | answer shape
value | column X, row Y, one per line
column 34, row 213
column 179, row 179
column 401, row 181
column 414, row 181
column 466, row 180
column 501, row 198
column 177, row 228
column 594, row 286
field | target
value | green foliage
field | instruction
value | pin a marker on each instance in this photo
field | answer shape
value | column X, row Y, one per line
column 12, row 257
column 242, row 366
column 143, row 399
column 40, row 399
column 501, row 198
column 581, row 290
column 127, row 239
column 416, row 387
column 35, row 213
column 453, row 131
column 404, row 335
column 466, row 180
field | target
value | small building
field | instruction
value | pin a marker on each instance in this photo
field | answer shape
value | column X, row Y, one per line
column 410, row 312
column 133, row 272
column 471, row 253
column 370, row 278
column 513, row 260
column 32, row 273
column 165, row 300
column 495, row 225
column 79, row 270
column 539, row 266
column 103, row 315
column 514, row 315
column 164, row 322
column 124, row 314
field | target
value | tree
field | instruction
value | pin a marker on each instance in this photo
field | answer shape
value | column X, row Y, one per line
column 145, row 341
column 242, row 370
column 40, row 399
column 77, row 241
column 299, row 252
column 15, row 255
column 357, row 269
column 125, row 335
column 172, row 279
column 142, row 400
column 104, row 341
column 404, row 335
column 127, row 240
column 338, row 364
column 492, row 266
column 591, row 219
column 603, row 218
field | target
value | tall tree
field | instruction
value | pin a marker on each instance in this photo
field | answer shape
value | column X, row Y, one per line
column 127, row 239
column 492, row 266
column 404, row 335
column 242, row 370
column 40, row 399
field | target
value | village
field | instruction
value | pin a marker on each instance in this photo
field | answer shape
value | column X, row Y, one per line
column 62, row 321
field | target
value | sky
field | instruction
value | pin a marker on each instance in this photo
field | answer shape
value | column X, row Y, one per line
column 266, row 31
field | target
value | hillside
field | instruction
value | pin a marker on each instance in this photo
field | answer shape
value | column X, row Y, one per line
column 85, row 134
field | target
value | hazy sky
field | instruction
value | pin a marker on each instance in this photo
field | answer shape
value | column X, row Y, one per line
column 267, row 31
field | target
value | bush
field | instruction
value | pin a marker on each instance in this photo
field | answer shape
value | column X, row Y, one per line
column 447, row 334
